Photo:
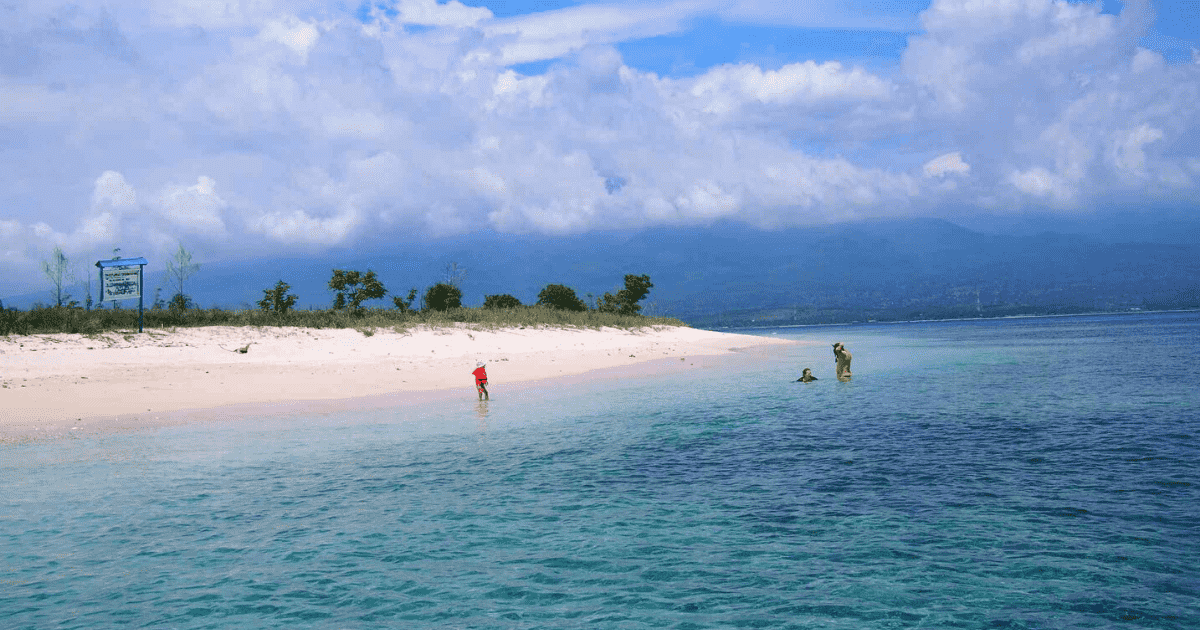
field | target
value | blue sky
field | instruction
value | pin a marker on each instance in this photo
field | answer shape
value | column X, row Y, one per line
column 260, row 127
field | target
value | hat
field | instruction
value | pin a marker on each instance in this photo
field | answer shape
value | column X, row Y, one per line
column 479, row 364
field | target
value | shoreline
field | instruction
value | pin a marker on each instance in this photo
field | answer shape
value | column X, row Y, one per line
column 57, row 385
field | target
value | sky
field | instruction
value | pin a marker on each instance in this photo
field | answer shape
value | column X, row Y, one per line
column 250, row 128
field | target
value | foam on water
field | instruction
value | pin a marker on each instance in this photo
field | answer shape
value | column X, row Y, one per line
column 1034, row 473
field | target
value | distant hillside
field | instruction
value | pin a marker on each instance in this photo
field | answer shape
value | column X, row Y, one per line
column 729, row 274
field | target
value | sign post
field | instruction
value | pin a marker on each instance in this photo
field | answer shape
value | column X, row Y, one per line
column 120, row 281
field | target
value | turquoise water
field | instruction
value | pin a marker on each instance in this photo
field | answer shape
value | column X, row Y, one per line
column 1033, row 473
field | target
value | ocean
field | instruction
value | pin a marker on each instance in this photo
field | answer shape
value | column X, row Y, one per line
column 1016, row 473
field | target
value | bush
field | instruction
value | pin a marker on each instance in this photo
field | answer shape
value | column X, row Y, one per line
column 277, row 300
column 181, row 302
column 625, row 302
column 404, row 305
column 442, row 296
column 503, row 300
column 561, row 297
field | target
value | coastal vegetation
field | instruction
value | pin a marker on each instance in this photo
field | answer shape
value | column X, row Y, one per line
column 442, row 307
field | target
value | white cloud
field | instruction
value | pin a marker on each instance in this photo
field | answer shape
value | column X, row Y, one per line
column 1128, row 152
column 111, row 190
column 554, row 34
column 211, row 14
column 1065, row 28
column 94, row 230
column 297, row 35
column 950, row 163
column 1147, row 60
column 194, row 208
column 299, row 227
column 433, row 13
column 725, row 88
column 1040, row 182
column 324, row 131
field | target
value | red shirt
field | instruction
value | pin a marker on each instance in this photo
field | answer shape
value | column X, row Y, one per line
column 480, row 376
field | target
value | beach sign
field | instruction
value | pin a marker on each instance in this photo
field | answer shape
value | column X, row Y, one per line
column 121, row 279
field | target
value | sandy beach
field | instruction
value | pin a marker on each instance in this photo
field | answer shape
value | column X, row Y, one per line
column 55, row 384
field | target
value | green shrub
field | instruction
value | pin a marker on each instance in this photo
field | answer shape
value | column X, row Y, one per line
column 277, row 300
column 562, row 297
column 443, row 296
column 503, row 300
column 181, row 302
column 626, row 300
column 404, row 304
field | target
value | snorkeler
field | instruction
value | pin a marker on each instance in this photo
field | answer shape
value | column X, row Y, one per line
column 806, row 376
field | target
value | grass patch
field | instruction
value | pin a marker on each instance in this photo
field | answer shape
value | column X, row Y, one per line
column 95, row 323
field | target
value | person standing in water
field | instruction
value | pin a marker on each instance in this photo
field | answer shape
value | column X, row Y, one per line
column 481, row 380
column 842, row 357
column 806, row 376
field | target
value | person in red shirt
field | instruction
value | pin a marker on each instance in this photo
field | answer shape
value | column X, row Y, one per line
column 481, row 380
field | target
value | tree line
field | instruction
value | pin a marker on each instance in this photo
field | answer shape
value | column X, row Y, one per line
column 353, row 288
column 352, row 292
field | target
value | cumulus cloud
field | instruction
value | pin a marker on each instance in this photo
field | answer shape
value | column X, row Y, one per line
column 950, row 163
column 112, row 190
column 300, row 227
column 1040, row 182
column 727, row 87
column 297, row 35
column 194, row 208
column 313, row 128
column 1128, row 153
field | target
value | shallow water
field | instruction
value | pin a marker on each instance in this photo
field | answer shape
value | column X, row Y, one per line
column 1032, row 473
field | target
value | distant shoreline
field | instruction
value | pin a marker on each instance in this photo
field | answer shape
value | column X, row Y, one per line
column 949, row 319
column 62, row 384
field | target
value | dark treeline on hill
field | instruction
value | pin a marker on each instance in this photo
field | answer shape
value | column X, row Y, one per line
column 930, row 269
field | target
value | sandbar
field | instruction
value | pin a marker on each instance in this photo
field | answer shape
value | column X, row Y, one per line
column 52, row 385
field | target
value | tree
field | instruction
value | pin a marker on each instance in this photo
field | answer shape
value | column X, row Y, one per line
column 277, row 300
column 625, row 302
column 354, row 287
column 58, row 270
column 559, row 296
column 442, row 296
column 404, row 304
column 179, row 269
column 503, row 300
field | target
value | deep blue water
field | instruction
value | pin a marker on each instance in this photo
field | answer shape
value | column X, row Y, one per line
column 1031, row 473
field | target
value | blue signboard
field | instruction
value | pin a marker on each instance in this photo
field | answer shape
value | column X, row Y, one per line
column 121, row 279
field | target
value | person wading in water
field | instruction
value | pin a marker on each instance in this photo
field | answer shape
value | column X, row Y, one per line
column 481, row 380
column 842, row 357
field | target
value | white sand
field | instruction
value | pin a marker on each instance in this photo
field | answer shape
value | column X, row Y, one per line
column 55, row 384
